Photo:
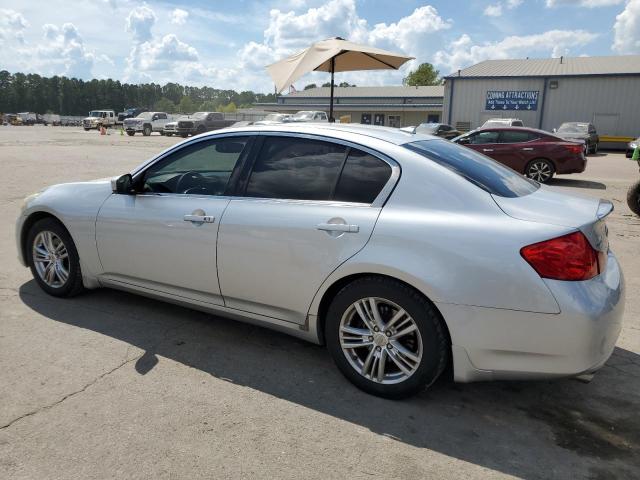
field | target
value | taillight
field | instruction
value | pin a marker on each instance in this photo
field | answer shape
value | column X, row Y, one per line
column 570, row 257
column 577, row 149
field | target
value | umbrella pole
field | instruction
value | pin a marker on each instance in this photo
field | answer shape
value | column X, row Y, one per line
column 333, row 67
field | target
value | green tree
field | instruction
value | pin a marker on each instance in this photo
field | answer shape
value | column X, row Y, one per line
column 425, row 74
column 187, row 105
column 310, row 86
column 208, row 106
column 165, row 105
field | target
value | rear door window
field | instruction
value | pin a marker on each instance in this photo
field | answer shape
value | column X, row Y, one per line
column 515, row 136
column 482, row 171
column 296, row 169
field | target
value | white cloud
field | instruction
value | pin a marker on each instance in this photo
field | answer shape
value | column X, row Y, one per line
column 494, row 10
column 139, row 23
column 627, row 29
column 463, row 52
column 289, row 32
column 12, row 26
column 179, row 16
column 583, row 3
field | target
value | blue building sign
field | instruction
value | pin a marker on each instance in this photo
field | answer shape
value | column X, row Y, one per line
column 512, row 100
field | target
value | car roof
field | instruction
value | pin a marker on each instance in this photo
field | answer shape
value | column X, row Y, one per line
column 516, row 129
column 387, row 134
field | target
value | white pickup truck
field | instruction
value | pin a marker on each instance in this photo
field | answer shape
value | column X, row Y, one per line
column 146, row 123
column 98, row 118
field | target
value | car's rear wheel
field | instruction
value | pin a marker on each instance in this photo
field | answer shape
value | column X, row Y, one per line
column 633, row 198
column 594, row 148
column 540, row 170
column 131, row 133
column 385, row 337
column 168, row 134
column 53, row 259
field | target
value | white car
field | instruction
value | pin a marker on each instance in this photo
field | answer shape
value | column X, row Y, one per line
column 403, row 253
column 99, row 118
column 146, row 123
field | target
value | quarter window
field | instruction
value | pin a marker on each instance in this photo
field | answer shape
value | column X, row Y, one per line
column 202, row 168
column 296, row 168
column 362, row 178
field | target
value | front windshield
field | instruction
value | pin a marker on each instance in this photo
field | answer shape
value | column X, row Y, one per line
column 274, row 117
column 573, row 127
column 199, row 115
column 95, row 114
column 427, row 128
column 145, row 116
column 302, row 116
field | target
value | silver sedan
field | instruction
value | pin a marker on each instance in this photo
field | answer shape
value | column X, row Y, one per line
column 404, row 253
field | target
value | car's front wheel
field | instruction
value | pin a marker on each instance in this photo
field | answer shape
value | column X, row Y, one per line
column 385, row 337
column 633, row 198
column 53, row 259
column 540, row 170
column 146, row 131
column 131, row 133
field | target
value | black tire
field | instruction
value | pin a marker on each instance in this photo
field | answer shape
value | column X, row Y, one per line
column 184, row 135
column 161, row 133
column 594, row 150
column 200, row 130
column 534, row 166
column 87, row 129
column 146, row 130
column 131, row 133
column 633, row 198
column 169, row 134
column 73, row 285
column 435, row 344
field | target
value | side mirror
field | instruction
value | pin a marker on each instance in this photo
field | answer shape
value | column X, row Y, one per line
column 123, row 185
column 464, row 141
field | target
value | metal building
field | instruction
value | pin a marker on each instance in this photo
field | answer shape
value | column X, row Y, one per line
column 395, row 106
column 543, row 93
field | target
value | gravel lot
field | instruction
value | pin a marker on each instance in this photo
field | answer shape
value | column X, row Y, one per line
column 111, row 385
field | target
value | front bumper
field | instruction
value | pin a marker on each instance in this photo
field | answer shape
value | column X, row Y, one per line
column 493, row 344
column 133, row 128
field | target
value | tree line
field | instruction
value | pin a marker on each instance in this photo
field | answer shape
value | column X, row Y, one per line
column 21, row 92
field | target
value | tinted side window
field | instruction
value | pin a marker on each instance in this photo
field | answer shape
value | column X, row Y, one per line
column 202, row 168
column 507, row 136
column 482, row 171
column 483, row 137
column 362, row 178
column 296, row 168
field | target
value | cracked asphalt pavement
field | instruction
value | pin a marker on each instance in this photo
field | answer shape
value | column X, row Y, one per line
column 111, row 385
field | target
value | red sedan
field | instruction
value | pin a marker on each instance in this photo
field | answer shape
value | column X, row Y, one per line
column 535, row 153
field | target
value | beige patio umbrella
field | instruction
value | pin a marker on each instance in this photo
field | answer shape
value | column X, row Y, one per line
column 333, row 55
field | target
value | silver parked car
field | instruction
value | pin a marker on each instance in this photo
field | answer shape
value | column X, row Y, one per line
column 403, row 253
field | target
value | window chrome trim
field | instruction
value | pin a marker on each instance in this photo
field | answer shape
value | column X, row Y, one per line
column 378, row 202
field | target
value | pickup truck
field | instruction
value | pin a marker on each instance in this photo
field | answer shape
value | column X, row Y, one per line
column 98, row 118
column 146, row 123
column 130, row 113
column 199, row 122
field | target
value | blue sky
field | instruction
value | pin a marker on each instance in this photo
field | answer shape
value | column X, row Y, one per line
column 226, row 44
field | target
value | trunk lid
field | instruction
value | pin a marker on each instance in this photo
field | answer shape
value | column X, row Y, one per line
column 550, row 206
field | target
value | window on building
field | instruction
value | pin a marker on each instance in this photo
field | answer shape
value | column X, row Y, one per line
column 394, row 121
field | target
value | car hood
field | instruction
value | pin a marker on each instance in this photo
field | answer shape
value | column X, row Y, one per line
column 551, row 206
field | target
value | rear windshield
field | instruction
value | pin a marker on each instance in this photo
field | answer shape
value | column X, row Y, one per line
column 482, row 171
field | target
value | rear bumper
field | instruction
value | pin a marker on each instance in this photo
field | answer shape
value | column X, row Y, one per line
column 493, row 344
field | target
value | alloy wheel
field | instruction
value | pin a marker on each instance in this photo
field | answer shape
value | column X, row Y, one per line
column 540, row 171
column 380, row 340
column 51, row 259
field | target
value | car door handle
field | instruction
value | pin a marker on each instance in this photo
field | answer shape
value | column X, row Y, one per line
column 528, row 149
column 487, row 149
column 338, row 227
column 199, row 218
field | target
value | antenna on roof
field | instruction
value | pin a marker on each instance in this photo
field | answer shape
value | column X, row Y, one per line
column 458, row 72
column 561, row 57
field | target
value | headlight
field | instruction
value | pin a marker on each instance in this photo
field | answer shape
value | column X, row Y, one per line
column 28, row 200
